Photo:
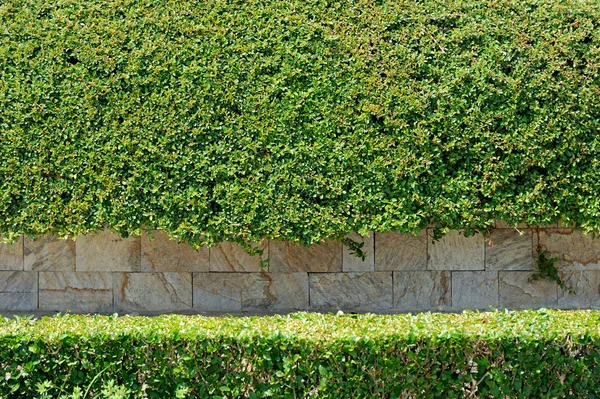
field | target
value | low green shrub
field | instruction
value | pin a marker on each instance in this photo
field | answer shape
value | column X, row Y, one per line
column 531, row 354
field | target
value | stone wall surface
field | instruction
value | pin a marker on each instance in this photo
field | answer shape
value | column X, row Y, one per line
column 105, row 273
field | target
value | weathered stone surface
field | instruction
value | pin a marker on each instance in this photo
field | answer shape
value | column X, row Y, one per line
column 352, row 291
column 474, row 290
column 457, row 252
column 288, row 257
column 18, row 282
column 165, row 255
column 11, row 255
column 219, row 291
column 18, row 301
column 107, row 252
column 509, row 250
column 48, row 253
column 230, row 257
column 422, row 290
column 152, row 292
column 516, row 292
column 76, row 291
column 586, row 285
column 352, row 263
column 276, row 291
column 396, row 251
column 573, row 249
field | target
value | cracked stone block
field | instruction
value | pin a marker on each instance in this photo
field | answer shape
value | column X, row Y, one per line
column 586, row 285
column 396, row 251
column 509, row 250
column 18, row 290
column 352, row 263
column 474, row 289
column 230, row 257
column 161, row 254
column 11, row 255
column 517, row 292
column 574, row 250
column 351, row 291
column 457, row 252
column 79, row 292
column 107, row 252
column 422, row 290
column 152, row 292
column 49, row 253
column 289, row 257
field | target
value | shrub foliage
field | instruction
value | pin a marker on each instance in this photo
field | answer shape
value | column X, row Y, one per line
column 297, row 119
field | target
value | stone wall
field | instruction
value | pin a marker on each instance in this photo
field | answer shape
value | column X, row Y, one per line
column 105, row 273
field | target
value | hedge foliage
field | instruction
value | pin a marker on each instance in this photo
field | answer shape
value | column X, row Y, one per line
column 297, row 119
column 532, row 354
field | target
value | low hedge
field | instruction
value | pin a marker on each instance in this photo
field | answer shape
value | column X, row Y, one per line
column 530, row 354
column 297, row 119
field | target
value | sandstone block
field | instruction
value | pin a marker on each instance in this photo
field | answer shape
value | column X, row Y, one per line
column 422, row 290
column 75, row 291
column 230, row 257
column 153, row 292
column 18, row 301
column 517, row 292
column 352, row 263
column 107, row 252
column 219, row 291
column 586, row 285
column 457, row 252
column 162, row 254
column 509, row 250
column 11, row 255
column 276, row 291
column 351, row 291
column 289, row 257
column 574, row 250
column 397, row 251
column 474, row 290
column 18, row 282
column 48, row 253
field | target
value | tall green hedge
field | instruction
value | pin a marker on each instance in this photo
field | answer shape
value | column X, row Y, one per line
column 533, row 354
column 238, row 120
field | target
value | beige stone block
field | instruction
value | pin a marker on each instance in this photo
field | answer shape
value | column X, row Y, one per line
column 153, row 292
column 79, row 292
column 219, row 291
column 518, row 292
column 509, row 249
column 230, row 257
column 457, row 252
column 276, row 291
column 49, row 253
column 107, row 252
column 351, row 291
column 351, row 262
column 18, row 281
column 422, row 290
column 161, row 254
column 573, row 250
column 396, row 251
column 474, row 289
column 289, row 257
column 18, row 301
column 586, row 285
column 11, row 255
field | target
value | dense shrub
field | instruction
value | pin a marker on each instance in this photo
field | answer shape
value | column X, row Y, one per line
column 297, row 119
column 533, row 354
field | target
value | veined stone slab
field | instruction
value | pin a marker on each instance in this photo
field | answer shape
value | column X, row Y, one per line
column 107, row 252
column 277, row 291
column 586, row 285
column 165, row 255
column 360, row 291
column 289, row 257
column 573, row 249
column 48, row 253
column 457, row 252
column 18, row 301
column 150, row 292
column 509, row 250
column 474, row 290
column 352, row 263
column 219, row 291
column 396, row 251
column 76, row 291
column 517, row 292
column 422, row 290
column 230, row 257
column 11, row 255
column 18, row 282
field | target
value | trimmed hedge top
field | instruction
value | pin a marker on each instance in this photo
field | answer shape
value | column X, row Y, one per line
column 298, row 120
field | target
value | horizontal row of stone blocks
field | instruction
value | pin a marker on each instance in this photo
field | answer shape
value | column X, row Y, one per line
column 235, row 292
